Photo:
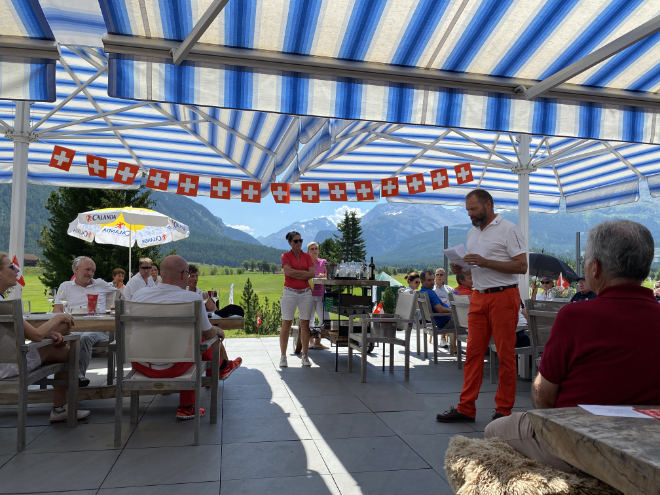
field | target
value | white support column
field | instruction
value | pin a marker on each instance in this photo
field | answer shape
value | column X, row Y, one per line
column 523, row 203
column 21, row 138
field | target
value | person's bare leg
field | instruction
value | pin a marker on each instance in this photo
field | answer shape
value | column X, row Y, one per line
column 284, row 336
column 52, row 354
column 304, row 335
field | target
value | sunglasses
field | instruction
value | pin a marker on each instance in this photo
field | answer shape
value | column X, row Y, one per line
column 545, row 283
column 13, row 267
column 297, row 241
column 439, row 274
column 145, row 268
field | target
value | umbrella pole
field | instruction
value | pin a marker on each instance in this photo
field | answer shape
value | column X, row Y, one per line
column 130, row 248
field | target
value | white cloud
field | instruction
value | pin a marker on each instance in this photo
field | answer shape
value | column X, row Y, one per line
column 338, row 214
column 245, row 228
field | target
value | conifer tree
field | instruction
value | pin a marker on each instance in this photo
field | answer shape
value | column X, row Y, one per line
column 351, row 243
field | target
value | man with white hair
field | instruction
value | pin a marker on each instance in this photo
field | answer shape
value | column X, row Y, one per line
column 74, row 293
column 140, row 280
column 585, row 360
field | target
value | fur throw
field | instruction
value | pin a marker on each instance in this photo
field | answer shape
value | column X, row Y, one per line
column 476, row 467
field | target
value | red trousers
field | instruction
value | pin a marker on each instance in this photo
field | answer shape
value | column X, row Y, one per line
column 496, row 315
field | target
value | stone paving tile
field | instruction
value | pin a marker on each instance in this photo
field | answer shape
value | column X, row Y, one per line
column 421, row 423
column 8, row 438
column 258, row 391
column 393, row 482
column 204, row 488
column 265, row 429
column 252, row 409
column 311, row 483
column 331, row 404
column 165, row 431
column 76, row 492
column 61, row 438
column 432, row 447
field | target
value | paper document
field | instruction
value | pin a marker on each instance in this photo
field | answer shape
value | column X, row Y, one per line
column 616, row 411
column 455, row 255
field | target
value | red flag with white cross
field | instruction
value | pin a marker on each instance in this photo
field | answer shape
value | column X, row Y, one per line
column 337, row 191
column 250, row 191
column 220, row 188
column 126, row 173
column 19, row 273
column 280, row 192
column 158, row 179
column 562, row 282
column 415, row 183
column 187, row 185
column 439, row 178
column 97, row 166
column 62, row 158
column 309, row 193
column 389, row 187
column 463, row 173
column 364, row 190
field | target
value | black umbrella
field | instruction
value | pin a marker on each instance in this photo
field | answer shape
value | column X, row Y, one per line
column 544, row 265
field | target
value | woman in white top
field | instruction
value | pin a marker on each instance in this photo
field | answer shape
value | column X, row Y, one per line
column 547, row 294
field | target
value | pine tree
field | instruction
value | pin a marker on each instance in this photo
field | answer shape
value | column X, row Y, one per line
column 351, row 243
column 330, row 250
column 250, row 305
column 60, row 249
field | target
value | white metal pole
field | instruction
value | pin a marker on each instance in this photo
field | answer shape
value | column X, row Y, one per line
column 523, row 204
column 21, row 138
column 130, row 248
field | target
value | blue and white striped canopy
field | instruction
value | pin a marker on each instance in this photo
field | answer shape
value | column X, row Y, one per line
column 335, row 91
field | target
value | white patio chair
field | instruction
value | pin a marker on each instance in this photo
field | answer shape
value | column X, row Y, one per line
column 14, row 349
column 162, row 333
column 383, row 328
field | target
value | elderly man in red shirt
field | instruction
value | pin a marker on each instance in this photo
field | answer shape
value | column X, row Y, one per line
column 585, row 361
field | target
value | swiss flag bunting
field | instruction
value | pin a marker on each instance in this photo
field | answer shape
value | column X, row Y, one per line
column 220, row 188
column 126, row 173
column 187, row 185
column 251, row 191
column 389, row 187
column 439, row 178
column 415, row 183
column 337, row 191
column 561, row 282
column 378, row 309
column 364, row 190
column 280, row 192
column 463, row 173
column 97, row 166
column 62, row 158
column 158, row 179
column 19, row 274
column 310, row 193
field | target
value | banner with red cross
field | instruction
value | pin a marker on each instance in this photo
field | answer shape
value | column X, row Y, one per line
column 463, row 173
column 439, row 178
column 364, row 190
column 61, row 158
column 415, row 183
column 389, row 187
column 158, row 179
column 309, row 193
column 220, row 188
column 337, row 191
column 281, row 192
column 19, row 273
column 250, row 191
column 187, row 185
column 126, row 173
column 97, row 166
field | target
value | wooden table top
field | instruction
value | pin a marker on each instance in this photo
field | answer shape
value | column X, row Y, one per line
column 353, row 282
column 622, row 452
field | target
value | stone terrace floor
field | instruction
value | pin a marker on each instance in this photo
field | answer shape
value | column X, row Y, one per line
column 296, row 430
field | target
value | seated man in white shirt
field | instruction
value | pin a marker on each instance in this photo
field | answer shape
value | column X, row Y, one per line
column 172, row 289
column 74, row 293
column 140, row 280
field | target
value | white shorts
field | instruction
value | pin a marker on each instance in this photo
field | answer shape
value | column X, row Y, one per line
column 292, row 299
column 8, row 370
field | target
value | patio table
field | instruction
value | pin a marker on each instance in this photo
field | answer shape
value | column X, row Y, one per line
column 622, row 452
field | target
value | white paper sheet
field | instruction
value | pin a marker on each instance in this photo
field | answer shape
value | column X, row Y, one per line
column 455, row 255
column 616, row 411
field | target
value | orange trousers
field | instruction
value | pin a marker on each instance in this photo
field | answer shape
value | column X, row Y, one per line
column 496, row 315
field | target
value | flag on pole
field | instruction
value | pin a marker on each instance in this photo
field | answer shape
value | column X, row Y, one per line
column 231, row 294
column 379, row 308
column 561, row 282
column 19, row 274
column 258, row 320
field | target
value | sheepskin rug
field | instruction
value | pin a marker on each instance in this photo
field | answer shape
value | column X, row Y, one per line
column 478, row 467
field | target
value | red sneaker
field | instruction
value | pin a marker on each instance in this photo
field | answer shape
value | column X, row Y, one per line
column 186, row 413
column 230, row 367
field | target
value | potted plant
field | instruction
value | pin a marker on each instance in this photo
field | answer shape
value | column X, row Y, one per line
column 386, row 329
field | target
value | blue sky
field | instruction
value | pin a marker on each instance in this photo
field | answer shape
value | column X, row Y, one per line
column 261, row 219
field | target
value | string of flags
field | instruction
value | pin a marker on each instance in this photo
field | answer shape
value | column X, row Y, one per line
column 310, row 192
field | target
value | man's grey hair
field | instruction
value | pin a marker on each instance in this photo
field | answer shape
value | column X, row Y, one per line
column 623, row 248
column 78, row 260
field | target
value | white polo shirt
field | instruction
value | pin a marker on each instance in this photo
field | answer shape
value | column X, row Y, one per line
column 501, row 240
column 76, row 295
column 135, row 284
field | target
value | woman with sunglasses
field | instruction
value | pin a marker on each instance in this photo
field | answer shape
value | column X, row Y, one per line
column 547, row 294
column 139, row 280
column 413, row 281
column 298, row 269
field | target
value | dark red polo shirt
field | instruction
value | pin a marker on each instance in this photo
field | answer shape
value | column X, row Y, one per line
column 605, row 351
column 302, row 263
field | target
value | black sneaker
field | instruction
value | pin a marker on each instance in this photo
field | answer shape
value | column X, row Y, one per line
column 453, row 416
column 83, row 381
column 497, row 415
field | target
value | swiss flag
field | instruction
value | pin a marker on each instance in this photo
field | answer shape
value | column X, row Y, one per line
column 389, row 187
column 561, row 282
column 463, row 173
column 62, row 158
column 364, row 190
column 258, row 320
column 126, row 173
column 439, row 178
column 415, row 183
column 19, row 274
column 187, row 185
column 280, row 192
column 97, row 166
column 337, row 191
column 158, row 179
column 310, row 193
column 220, row 188
column 378, row 309
column 250, row 191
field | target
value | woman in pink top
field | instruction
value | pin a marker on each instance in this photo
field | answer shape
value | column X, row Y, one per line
column 317, row 295
column 298, row 269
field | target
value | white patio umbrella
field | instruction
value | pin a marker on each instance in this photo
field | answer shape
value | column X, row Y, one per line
column 126, row 227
